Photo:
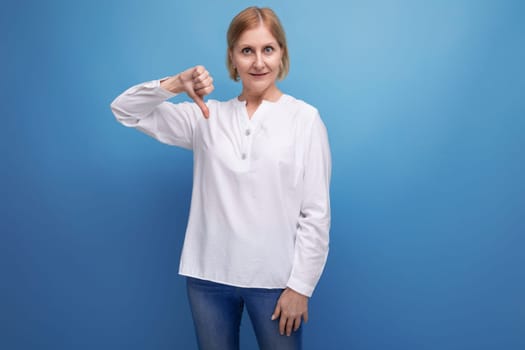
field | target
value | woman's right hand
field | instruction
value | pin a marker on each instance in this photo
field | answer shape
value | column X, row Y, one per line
column 196, row 82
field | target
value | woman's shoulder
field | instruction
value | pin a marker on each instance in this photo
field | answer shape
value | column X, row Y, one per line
column 300, row 106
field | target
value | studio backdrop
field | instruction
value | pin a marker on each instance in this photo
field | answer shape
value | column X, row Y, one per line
column 424, row 105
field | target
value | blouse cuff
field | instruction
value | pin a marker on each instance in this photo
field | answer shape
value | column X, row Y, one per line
column 300, row 287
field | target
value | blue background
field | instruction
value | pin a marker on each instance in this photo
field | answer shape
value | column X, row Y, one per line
column 424, row 103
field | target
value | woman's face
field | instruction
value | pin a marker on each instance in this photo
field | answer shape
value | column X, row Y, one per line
column 257, row 57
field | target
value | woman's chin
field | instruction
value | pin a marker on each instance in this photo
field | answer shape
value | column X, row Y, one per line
column 258, row 87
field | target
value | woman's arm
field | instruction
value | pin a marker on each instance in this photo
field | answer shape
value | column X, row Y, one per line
column 144, row 106
column 311, row 244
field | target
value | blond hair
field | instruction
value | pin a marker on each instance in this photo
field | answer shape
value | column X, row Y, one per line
column 250, row 18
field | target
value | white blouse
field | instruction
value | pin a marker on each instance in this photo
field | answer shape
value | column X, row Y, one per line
column 260, row 206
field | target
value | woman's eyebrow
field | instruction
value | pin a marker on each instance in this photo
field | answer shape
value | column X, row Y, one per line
column 272, row 43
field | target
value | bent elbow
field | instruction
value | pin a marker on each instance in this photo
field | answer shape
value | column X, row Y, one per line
column 121, row 115
column 116, row 110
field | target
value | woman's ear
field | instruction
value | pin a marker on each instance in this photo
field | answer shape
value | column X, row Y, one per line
column 231, row 57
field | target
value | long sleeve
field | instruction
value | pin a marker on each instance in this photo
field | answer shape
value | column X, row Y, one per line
column 311, row 245
column 145, row 108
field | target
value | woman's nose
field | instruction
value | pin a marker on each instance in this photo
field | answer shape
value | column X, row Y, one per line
column 259, row 62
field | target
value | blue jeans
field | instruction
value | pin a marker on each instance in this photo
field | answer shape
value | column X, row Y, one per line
column 217, row 310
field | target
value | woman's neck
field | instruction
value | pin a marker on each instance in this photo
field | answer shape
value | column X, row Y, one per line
column 253, row 100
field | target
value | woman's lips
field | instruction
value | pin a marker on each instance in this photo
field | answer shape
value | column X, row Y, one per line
column 258, row 74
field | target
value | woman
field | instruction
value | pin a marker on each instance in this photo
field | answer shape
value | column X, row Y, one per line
column 257, row 235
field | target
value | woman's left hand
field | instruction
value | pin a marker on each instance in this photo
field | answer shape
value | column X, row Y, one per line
column 291, row 308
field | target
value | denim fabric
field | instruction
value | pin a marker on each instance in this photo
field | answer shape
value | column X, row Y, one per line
column 217, row 311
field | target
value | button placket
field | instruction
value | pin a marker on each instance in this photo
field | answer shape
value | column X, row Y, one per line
column 247, row 130
column 247, row 142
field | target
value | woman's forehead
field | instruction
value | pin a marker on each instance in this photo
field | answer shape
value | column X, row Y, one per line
column 257, row 35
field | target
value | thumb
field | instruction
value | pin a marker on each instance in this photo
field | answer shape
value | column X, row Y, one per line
column 200, row 102
column 276, row 312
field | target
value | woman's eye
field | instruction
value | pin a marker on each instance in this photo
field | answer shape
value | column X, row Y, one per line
column 268, row 49
column 246, row 50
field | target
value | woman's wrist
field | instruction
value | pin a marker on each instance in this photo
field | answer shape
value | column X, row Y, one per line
column 173, row 84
